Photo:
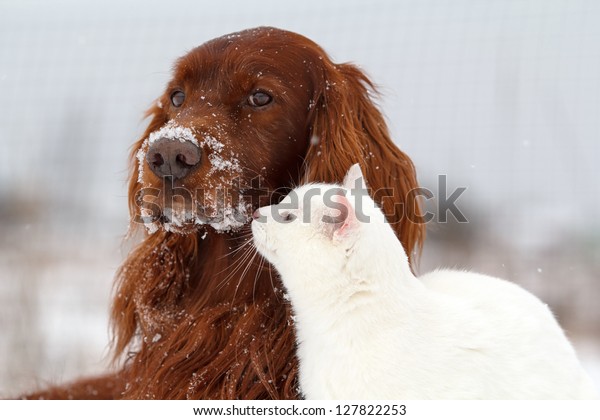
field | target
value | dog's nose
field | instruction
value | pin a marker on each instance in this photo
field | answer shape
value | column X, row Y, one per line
column 171, row 157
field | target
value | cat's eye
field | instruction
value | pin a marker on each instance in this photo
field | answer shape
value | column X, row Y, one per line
column 288, row 217
column 177, row 98
column 258, row 99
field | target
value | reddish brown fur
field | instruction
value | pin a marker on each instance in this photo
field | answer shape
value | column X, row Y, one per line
column 219, row 333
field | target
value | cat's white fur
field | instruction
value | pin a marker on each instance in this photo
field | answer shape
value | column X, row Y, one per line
column 367, row 328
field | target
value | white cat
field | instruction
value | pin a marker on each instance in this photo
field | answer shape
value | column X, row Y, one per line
column 367, row 328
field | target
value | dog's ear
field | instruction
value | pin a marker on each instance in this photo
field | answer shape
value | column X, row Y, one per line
column 347, row 128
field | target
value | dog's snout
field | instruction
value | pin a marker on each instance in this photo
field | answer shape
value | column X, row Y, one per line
column 171, row 157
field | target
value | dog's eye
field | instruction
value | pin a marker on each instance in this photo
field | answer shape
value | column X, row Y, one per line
column 177, row 98
column 259, row 99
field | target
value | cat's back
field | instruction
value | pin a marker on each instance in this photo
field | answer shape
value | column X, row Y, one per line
column 497, row 307
column 498, row 302
column 480, row 289
column 517, row 332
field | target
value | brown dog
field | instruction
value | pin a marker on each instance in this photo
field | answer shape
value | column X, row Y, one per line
column 243, row 116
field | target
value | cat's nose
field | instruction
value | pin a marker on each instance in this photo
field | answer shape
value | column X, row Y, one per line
column 256, row 214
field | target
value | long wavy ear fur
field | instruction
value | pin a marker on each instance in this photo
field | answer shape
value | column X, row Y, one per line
column 347, row 128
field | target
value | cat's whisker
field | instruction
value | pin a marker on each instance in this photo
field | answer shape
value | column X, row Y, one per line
column 236, row 267
column 255, row 277
column 239, row 248
column 252, row 256
column 232, row 268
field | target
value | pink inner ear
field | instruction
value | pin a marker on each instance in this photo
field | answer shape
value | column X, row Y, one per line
column 350, row 220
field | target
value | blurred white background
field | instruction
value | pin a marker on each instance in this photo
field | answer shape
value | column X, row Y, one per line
column 501, row 96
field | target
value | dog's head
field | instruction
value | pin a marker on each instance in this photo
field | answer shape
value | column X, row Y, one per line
column 254, row 112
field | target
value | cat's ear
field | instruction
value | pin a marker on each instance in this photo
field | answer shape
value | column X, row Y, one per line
column 354, row 178
column 347, row 222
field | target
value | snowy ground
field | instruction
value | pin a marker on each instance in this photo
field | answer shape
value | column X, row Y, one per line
column 54, row 310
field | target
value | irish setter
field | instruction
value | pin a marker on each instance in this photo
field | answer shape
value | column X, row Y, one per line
column 245, row 116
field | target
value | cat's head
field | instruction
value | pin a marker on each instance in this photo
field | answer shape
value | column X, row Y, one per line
column 316, row 224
